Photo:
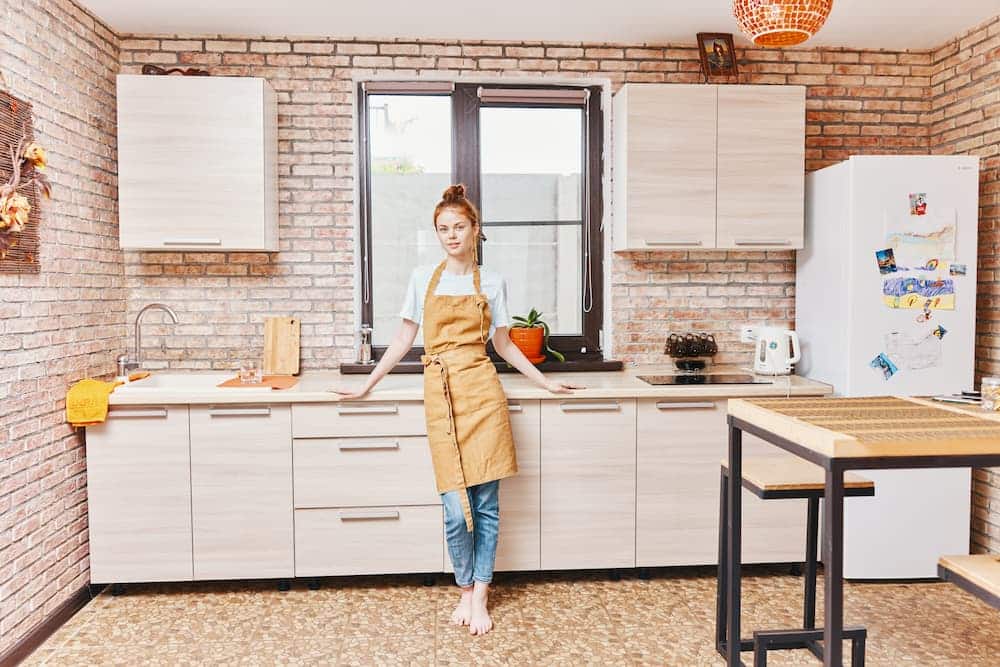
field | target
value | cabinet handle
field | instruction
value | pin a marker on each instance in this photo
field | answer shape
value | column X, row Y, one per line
column 681, row 405
column 368, row 515
column 590, row 407
column 361, row 446
column 762, row 242
column 367, row 409
column 673, row 242
column 119, row 413
column 239, row 412
column 191, row 241
column 514, row 407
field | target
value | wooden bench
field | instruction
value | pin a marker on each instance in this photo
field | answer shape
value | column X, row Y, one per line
column 978, row 574
column 772, row 479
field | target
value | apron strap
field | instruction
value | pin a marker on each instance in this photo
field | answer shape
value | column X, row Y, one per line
column 427, row 360
column 432, row 285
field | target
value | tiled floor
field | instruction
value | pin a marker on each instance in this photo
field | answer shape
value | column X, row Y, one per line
column 571, row 619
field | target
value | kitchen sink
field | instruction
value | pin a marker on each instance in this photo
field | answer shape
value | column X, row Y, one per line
column 179, row 381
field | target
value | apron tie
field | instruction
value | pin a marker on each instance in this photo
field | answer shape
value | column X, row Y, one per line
column 483, row 330
column 427, row 360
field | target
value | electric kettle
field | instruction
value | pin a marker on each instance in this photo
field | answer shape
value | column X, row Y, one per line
column 777, row 349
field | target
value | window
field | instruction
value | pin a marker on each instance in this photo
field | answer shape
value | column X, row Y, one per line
column 530, row 157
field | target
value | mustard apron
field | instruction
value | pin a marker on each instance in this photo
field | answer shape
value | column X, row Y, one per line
column 468, row 424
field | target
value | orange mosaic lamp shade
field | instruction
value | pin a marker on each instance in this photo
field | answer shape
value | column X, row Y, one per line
column 780, row 22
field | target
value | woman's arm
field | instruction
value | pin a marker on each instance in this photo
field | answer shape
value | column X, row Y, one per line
column 512, row 354
column 400, row 345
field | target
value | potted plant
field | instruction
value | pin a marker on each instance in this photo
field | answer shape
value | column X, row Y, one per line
column 531, row 335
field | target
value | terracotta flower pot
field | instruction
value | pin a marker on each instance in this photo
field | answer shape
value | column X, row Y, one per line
column 529, row 340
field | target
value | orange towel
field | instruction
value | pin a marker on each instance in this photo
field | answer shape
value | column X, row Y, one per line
column 87, row 401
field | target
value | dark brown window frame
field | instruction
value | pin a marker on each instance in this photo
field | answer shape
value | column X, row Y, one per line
column 465, row 169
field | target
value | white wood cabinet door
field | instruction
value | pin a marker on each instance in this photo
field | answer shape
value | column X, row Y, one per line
column 664, row 179
column 588, row 483
column 241, row 485
column 680, row 448
column 520, row 508
column 761, row 167
column 197, row 163
column 139, row 495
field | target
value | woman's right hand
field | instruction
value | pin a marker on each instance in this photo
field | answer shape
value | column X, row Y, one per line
column 349, row 393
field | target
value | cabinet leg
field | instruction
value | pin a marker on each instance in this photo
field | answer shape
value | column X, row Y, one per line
column 430, row 580
column 284, row 585
column 615, row 575
column 645, row 574
column 117, row 589
column 796, row 569
column 314, row 584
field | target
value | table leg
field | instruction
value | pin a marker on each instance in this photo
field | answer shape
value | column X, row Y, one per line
column 833, row 567
column 733, row 523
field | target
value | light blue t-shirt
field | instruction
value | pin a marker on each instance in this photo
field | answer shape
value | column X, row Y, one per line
column 492, row 283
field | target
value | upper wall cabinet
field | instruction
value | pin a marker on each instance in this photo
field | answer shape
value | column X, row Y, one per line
column 197, row 163
column 708, row 166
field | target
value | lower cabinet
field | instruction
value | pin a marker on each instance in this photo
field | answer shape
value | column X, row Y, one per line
column 520, row 507
column 241, row 491
column 139, row 495
column 588, row 483
column 681, row 445
column 368, row 540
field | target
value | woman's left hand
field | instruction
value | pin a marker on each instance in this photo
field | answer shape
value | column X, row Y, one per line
column 557, row 387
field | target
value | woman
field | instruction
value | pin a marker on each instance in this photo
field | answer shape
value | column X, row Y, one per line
column 468, row 424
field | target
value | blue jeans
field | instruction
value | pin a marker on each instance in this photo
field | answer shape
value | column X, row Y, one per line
column 472, row 554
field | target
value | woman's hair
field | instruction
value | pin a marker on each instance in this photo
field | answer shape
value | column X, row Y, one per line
column 454, row 197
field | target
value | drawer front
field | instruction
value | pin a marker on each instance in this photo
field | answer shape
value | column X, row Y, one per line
column 373, row 540
column 358, row 418
column 368, row 471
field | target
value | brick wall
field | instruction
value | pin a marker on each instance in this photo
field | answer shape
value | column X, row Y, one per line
column 64, row 323
column 965, row 108
column 857, row 102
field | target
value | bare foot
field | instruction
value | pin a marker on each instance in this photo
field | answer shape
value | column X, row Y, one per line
column 481, row 623
column 463, row 611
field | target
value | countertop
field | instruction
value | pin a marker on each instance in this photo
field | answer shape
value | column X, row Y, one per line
column 176, row 387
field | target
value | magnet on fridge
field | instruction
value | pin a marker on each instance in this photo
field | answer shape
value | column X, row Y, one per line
column 886, row 261
column 918, row 203
column 958, row 269
column 884, row 365
column 939, row 331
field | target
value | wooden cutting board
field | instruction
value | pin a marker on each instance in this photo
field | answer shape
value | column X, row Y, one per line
column 281, row 346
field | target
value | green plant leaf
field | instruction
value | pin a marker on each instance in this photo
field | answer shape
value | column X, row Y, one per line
column 558, row 355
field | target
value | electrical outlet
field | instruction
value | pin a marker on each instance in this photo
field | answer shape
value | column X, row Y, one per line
column 748, row 334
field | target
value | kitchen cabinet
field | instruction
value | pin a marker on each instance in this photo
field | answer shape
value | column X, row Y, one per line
column 761, row 167
column 519, row 547
column 664, row 169
column 680, row 446
column 241, row 491
column 139, row 495
column 708, row 167
column 197, row 163
column 588, row 483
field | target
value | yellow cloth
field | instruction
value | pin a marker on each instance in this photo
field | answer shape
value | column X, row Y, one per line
column 468, row 423
column 87, row 401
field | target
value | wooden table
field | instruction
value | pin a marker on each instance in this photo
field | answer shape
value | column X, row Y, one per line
column 841, row 434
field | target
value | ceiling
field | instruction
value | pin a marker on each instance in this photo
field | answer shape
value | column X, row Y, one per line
column 870, row 24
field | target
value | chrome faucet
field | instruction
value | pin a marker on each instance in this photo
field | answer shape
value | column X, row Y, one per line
column 137, row 362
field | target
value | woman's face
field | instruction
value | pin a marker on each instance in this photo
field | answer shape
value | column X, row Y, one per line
column 456, row 233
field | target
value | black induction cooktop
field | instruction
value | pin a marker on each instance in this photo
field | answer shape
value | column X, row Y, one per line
column 702, row 378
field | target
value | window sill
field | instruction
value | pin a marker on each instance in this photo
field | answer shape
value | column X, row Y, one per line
column 581, row 366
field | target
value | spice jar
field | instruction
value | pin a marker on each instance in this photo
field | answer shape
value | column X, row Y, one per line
column 989, row 390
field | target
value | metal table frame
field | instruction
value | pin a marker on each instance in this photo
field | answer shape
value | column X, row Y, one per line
column 833, row 524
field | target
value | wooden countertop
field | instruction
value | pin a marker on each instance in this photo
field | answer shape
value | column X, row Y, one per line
column 165, row 387
column 881, row 426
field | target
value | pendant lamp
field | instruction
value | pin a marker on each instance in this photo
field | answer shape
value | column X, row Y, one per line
column 780, row 22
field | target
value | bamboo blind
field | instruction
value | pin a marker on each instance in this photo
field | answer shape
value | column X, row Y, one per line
column 15, row 117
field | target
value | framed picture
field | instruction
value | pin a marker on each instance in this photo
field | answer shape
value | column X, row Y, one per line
column 718, row 57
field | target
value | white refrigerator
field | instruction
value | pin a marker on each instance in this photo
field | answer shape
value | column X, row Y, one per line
column 885, row 301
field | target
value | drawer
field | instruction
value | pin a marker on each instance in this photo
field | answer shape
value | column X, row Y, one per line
column 372, row 540
column 368, row 471
column 358, row 418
